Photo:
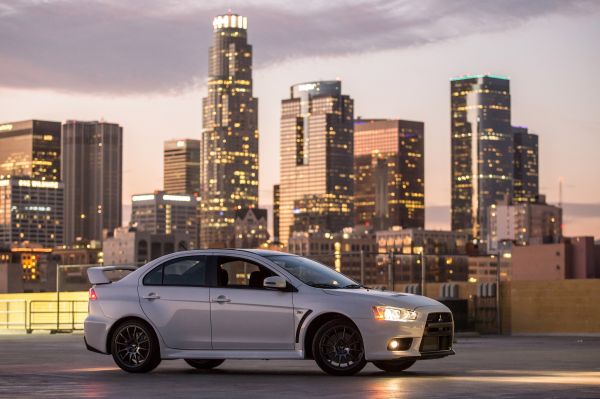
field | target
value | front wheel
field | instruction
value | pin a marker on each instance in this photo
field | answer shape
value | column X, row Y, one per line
column 338, row 348
column 204, row 364
column 134, row 347
column 394, row 366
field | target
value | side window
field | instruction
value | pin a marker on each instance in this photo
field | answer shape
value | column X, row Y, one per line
column 241, row 273
column 154, row 277
column 188, row 272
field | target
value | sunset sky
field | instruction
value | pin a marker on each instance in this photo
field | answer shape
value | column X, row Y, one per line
column 143, row 64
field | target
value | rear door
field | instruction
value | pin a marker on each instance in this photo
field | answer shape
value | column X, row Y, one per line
column 244, row 314
column 176, row 298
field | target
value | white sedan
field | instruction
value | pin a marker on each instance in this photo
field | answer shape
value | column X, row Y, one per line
column 206, row 306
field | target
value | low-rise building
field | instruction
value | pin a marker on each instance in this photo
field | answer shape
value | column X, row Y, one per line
column 251, row 228
column 130, row 246
column 523, row 224
column 573, row 258
column 342, row 251
column 445, row 254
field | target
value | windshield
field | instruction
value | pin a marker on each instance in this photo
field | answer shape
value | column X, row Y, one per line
column 313, row 273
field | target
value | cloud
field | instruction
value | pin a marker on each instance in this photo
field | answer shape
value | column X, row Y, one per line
column 145, row 46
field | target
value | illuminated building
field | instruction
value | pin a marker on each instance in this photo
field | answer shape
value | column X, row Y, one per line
column 31, row 211
column 445, row 254
column 389, row 172
column 316, row 182
column 276, row 202
column 92, row 175
column 229, row 148
column 251, row 228
column 526, row 165
column 341, row 251
column 525, row 223
column 181, row 166
column 162, row 213
column 482, row 149
column 27, row 269
column 30, row 149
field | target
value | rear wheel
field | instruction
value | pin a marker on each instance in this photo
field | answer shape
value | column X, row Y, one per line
column 134, row 347
column 338, row 348
column 204, row 364
column 394, row 366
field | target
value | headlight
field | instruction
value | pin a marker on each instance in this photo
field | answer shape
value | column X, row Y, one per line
column 393, row 314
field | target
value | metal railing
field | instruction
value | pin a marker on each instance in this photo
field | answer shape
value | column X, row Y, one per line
column 13, row 314
column 66, row 315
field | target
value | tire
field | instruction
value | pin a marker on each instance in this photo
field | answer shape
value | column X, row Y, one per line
column 204, row 364
column 338, row 348
column 394, row 366
column 134, row 347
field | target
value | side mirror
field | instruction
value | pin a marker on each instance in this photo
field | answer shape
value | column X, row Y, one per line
column 276, row 282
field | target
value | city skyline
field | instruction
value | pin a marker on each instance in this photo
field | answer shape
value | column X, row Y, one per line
column 531, row 108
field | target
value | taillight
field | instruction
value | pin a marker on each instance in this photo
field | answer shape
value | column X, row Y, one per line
column 92, row 294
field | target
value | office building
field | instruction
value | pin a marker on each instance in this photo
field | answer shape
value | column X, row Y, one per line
column 161, row 213
column 523, row 224
column 30, row 149
column 445, row 254
column 389, row 170
column 316, row 176
column 229, row 148
column 31, row 211
column 482, row 149
column 251, row 228
column 181, row 166
column 526, row 166
column 276, row 202
column 92, row 175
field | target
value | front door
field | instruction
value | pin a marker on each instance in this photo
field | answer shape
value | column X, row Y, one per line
column 244, row 314
column 176, row 299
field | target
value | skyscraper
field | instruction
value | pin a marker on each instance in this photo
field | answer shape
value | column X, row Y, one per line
column 181, row 166
column 389, row 173
column 30, row 149
column 482, row 149
column 276, row 202
column 526, row 166
column 229, row 148
column 31, row 211
column 92, row 176
column 316, row 183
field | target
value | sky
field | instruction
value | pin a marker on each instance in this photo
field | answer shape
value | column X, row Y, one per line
column 143, row 64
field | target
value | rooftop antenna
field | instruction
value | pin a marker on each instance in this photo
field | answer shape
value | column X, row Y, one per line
column 560, row 191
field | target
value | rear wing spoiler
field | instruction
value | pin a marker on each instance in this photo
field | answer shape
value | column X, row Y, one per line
column 97, row 275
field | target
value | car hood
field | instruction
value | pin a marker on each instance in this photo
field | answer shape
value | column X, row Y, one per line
column 388, row 298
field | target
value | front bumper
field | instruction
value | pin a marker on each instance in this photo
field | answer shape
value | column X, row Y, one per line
column 377, row 333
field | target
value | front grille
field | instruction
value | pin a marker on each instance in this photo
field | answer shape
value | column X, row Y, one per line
column 439, row 317
column 438, row 333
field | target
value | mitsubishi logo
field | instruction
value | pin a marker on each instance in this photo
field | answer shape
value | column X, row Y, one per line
column 440, row 318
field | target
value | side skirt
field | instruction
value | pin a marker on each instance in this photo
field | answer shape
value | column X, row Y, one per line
column 238, row 354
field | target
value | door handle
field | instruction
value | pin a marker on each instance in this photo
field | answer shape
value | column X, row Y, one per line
column 221, row 299
column 151, row 295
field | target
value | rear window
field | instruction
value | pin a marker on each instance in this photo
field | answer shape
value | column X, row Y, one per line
column 189, row 272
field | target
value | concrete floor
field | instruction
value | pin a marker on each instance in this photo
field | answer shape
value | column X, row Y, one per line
column 486, row 367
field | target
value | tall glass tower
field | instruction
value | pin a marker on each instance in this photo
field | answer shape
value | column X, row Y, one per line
column 526, row 166
column 229, row 145
column 482, row 149
column 316, row 176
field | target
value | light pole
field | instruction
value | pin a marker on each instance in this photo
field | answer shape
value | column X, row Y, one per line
column 423, row 270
